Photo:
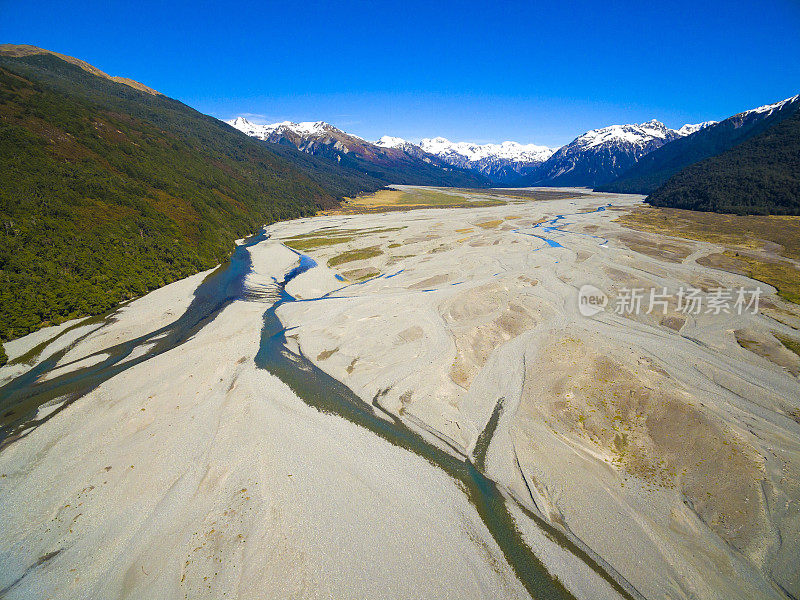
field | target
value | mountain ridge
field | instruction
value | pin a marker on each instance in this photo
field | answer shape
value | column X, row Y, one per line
column 22, row 50
column 391, row 165
column 601, row 155
column 654, row 169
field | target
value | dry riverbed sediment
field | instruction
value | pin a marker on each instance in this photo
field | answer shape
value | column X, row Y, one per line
column 659, row 443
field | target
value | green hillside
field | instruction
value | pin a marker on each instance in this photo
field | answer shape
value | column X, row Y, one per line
column 760, row 176
column 108, row 191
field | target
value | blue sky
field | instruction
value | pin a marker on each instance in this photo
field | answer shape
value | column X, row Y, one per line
column 535, row 72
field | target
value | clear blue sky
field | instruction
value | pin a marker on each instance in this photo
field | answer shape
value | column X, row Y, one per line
column 540, row 72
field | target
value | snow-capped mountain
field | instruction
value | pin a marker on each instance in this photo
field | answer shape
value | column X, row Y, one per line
column 689, row 129
column 502, row 162
column 654, row 169
column 308, row 136
column 391, row 161
column 768, row 109
column 601, row 155
column 409, row 148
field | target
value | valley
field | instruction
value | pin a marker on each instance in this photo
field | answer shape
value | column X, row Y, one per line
column 403, row 398
column 252, row 359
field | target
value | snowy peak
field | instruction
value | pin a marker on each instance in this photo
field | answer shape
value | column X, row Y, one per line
column 388, row 141
column 689, row 129
column 510, row 151
column 634, row 135
column 245, row 126
column 302, row 129
column 768, row 109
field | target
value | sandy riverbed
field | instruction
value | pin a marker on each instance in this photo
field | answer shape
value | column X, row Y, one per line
column 658, row 440
column 665, row 447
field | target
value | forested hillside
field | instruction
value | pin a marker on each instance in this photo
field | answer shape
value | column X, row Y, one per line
column 108, row 191
column 760, row 176
column 340, row 180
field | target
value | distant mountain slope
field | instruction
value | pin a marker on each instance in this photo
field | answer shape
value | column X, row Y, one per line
column 657, row 167
column 109, row 190
column 502, row 163
column 389, row 164
column 758, row 176
column 601, row 155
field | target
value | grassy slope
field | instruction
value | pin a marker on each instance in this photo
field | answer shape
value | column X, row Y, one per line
column 759, row 176
column 107, row 192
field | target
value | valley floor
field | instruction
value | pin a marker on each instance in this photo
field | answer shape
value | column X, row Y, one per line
column 639, row 454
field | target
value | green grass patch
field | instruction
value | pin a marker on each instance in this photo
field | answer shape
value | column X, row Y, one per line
column 302, row 245
column 353, row 255
column 789, row 343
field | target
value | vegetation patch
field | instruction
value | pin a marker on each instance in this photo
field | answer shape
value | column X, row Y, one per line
column 361, row 274
column 489, row 224
column 746, row 232
column 353, row 255
column 326, row 354
column 782, row 275
column 789, row 343
column 410, row 199
column 540, row 194
column 772, row 348
column 764, row 247
column 311, row 243
column 321, row 238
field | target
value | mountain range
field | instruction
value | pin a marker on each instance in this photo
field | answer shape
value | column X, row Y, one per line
column 601, row 155
column 503, row 163
column 594, row 158
column 384, row 163
column 760, row 175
